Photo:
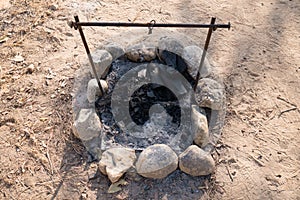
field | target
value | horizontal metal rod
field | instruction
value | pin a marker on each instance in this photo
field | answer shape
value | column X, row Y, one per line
column 126, row 24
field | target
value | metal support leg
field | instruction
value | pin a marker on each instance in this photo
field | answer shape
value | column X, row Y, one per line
column 210, row 30
column 88, row 53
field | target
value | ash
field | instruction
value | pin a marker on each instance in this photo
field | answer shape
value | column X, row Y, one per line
column 154, row 107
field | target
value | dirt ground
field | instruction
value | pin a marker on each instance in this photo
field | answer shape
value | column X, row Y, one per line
column 258, row 155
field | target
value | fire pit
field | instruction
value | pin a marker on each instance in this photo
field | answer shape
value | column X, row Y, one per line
column 148, row 120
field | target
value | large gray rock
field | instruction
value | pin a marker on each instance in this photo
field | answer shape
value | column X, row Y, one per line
column 116, row 161
column 93, row 91
column 93, row 146
column 196, row 162
column 80, row 101
column 115, row 50
column 199, row 126
column 157, row 161
column 192, row 56
column 102, row 60
column 87, row 125
column 170, row 44
column 210, row 94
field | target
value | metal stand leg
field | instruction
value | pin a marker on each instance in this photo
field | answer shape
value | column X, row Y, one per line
column 88, row 54
column 210, row 30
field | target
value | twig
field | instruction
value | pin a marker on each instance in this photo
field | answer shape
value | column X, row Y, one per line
column 285, row 111
column 286, row 101
column 48, row 155
column 229, row 174
column 259, row 163
column 50, row 162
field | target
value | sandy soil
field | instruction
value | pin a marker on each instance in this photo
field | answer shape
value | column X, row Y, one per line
column 258, row 155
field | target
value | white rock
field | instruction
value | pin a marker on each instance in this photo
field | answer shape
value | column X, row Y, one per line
column 157, row 161
column 93, row 91
column 116, row 161
column 210, row 94
column 192, row 56
column 199, row 126
column 87, row 125
column 18, row 58
column 115, row 50
column 196, row 162
column 102, row 60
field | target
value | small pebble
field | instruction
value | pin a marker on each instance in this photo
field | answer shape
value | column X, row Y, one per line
column 30, row 69
column 53, row 7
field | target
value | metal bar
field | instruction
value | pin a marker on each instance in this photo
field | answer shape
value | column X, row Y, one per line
column 211, row 29
column 88, row 53
column 126, row 24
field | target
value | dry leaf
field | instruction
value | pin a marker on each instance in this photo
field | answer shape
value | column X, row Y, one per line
column 115, row 186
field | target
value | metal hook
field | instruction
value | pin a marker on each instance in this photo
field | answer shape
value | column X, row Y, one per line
column 150, row 27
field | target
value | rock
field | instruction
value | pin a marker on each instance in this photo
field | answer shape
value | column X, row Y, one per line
column 87, row 125
column 79, row 93
column 30, row 69
column 18, row 58
column 199, row 127
column 29, row 182
column 102, row 60
column 192, row 56
column 134, row 56
column 115, row 50
column 196, row 162
column 148, row 54
column 93, row 147
column 53, row 7
column 116, row 161
column 210, row 94
column 93, row 91
column 141, row 53
column 171, row 45
column 157, row 161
